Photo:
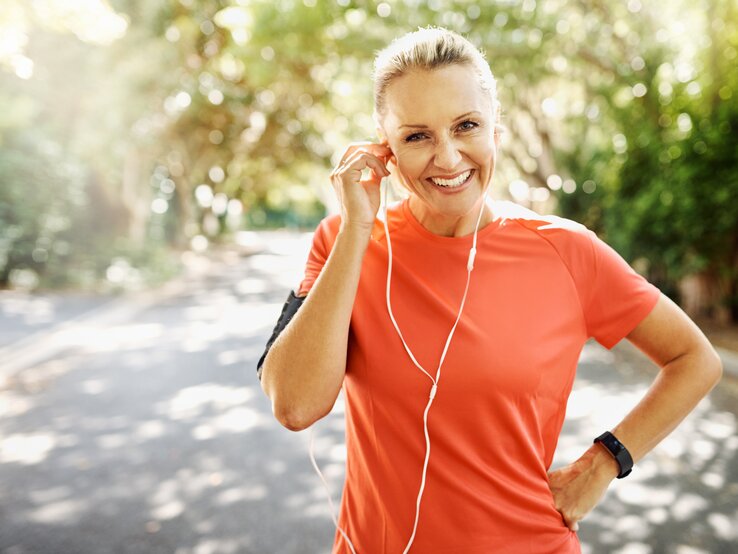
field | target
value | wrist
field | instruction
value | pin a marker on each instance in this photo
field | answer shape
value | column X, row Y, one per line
column 618, row 451
column 354, row 237
column 601, row 462
column 356, row 232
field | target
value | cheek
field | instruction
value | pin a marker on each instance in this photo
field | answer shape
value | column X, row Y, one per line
column 410, row 163
column 486, row 152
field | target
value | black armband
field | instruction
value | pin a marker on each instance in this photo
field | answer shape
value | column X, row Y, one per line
column 289, row 309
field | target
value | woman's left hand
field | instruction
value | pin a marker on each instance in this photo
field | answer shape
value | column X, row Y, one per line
column 578, row 487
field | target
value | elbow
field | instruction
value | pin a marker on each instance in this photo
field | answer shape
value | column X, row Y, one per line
column 291, row 424
column 298, row 417
column 718, row 371
column 287, row 418
column 286, row 414
column 296, row 411
column 293, row 421
column 701, row 366
column 714, row 367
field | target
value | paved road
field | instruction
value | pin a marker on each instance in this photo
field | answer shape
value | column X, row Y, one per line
column 24, row 315
column 145, row 430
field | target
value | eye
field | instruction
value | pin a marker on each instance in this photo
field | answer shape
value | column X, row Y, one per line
column 473, row 124
column 410, row 138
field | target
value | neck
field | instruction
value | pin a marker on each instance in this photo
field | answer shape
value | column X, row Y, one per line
column 446, row 225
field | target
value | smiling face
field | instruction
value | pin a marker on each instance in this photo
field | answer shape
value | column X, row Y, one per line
column 440, row 124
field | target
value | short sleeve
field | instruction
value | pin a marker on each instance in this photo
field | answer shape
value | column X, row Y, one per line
column 618, row 298
column 323, row 240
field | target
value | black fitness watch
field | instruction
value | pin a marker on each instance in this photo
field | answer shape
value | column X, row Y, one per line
column 618, row 451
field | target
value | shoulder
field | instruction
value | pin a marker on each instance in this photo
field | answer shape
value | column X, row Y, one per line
column 546, row 224
column 571, row 240
column 326, row 231
column 330, row 224
column 548, row 227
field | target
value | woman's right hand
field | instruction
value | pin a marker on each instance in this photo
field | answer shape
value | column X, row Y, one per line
column 359, row 199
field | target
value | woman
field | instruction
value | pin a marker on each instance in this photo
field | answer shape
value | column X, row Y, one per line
column 485, row 363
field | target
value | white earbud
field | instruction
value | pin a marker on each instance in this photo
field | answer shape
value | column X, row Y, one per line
column 472, row 255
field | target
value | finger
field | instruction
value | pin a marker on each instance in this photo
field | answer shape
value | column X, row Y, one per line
column 385, row 144
column 571, row 523
column 353, row 169
column 373, row 177
column 361, row 160
column 380, row 152
column 375, row 151
column 365, row 146
column 373, row 180
column 369, row 146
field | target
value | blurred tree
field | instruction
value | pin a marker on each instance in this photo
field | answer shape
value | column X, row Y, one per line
column 45, row 216
column 666, row 177
column 196, row 117
column 66, row 111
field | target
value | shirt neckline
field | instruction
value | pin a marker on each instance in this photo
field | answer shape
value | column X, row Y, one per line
column 488, row 229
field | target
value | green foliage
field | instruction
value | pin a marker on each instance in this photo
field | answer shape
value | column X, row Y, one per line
column 250, row 103
column 667, row 169
column 41, row 193
column 57, row 225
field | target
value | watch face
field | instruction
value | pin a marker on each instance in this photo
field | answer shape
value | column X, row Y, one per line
column 616, row 444
column 618, row 451
column 612, row 444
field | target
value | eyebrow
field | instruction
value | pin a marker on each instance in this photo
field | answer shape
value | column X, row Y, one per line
column 425, row 126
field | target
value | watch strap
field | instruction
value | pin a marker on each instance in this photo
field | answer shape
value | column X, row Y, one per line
column 618, row 451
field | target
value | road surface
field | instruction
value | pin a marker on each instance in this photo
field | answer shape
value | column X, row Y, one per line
column 142, row 428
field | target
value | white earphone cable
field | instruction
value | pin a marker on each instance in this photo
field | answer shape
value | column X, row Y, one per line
column 434, row 388
column 327, row 488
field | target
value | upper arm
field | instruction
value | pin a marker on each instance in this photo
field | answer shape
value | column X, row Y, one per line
column 323, row 239
column 667, row 333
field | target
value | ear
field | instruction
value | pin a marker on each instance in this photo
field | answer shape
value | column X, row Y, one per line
column 383, row 139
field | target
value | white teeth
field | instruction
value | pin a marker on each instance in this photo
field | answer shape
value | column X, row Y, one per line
column 453, row 182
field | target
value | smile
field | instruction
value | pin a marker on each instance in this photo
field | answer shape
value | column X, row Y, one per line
column 455, row 182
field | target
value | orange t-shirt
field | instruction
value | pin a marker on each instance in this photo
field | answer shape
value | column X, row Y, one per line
column 541, row 286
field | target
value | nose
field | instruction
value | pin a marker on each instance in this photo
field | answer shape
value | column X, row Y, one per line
column 447, row 155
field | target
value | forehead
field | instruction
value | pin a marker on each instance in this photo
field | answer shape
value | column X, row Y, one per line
column 434, row 97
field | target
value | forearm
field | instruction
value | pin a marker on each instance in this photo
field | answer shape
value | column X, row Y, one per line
column 304, row 369
column 677, row 389
column 679, row 386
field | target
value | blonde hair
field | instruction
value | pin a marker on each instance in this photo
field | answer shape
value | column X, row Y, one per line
column 429, row 48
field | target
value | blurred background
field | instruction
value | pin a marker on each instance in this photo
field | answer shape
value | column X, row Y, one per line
column 162, row 167
column 130, row 130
